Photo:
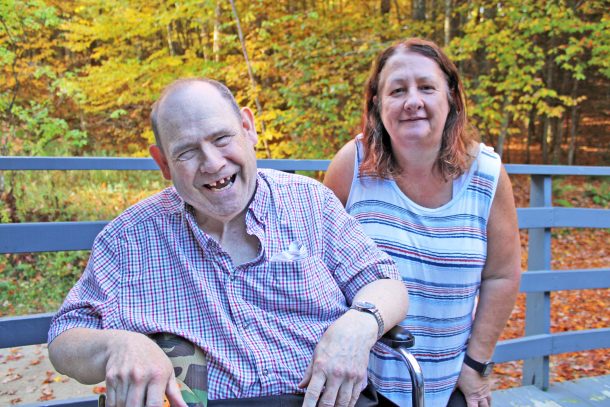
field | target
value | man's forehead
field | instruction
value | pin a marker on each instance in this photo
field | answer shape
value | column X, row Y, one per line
column 194, row 103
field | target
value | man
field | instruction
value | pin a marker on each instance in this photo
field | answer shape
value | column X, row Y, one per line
column 257, row 268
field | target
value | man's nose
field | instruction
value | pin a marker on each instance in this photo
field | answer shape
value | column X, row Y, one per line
column 213, row 161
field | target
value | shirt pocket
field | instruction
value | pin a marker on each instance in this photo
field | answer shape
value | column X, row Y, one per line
column 305, row 286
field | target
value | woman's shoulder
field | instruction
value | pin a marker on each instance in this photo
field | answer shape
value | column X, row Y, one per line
column 340, row 172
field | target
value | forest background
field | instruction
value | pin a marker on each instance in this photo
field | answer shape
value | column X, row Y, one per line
column 77, row 78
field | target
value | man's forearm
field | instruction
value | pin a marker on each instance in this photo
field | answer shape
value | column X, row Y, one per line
column 82, row 353
column 390, row 297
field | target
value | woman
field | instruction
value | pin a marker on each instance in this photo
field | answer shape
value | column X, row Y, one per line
column 441, row 205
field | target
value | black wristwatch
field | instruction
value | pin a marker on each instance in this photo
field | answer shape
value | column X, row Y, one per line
column 484, row 369
column 365, row 306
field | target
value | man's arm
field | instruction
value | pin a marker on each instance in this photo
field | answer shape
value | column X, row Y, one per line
column 341, row 357
column 498, row 292
column 136, row 370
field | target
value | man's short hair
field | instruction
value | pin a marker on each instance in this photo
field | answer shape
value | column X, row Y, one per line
column 181, row 84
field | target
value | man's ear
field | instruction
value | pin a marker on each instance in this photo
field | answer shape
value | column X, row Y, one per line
column 247, row 122
column 161, row 161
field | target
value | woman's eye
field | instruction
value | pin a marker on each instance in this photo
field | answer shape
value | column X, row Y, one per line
column 397, row 91
column 427, row 88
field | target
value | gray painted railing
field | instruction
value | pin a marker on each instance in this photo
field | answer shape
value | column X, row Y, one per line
column 538, row 282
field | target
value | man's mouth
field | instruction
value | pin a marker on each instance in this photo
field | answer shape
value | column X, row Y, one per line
column 222, row 183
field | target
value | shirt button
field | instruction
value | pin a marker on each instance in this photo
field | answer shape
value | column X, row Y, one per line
column 233, row 277
column 265, row 372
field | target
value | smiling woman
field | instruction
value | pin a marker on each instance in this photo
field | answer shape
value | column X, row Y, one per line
column 441, row 205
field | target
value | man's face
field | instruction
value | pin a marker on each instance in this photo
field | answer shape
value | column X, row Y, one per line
column 208, row 152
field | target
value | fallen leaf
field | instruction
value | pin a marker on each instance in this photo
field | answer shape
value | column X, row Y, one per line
column 47, row 393
column 15, row 401
column 99, row 389
column 49, row 378
column 14, row 356
column 12, row 378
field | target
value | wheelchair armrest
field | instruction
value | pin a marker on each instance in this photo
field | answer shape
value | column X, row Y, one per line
column 398, row 337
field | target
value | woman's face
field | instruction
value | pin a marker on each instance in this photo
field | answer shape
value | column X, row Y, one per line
column 414, row 105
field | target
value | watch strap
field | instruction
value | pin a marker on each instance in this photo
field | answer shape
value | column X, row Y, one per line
column 372, row 309
column 484, row 368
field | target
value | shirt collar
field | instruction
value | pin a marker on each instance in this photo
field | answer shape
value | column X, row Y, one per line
column 258, row 208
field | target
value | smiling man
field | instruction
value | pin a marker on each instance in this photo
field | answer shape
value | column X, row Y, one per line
column 261, row 270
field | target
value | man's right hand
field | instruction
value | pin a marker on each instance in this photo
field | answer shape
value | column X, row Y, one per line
column 138, row 373
column 136, row 370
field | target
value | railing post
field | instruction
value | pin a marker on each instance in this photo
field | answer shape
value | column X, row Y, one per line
column 538, row 305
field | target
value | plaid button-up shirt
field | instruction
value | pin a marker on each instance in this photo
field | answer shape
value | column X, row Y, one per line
column 153, row 270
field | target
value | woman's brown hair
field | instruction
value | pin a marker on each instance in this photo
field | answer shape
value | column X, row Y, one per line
column 453, row 157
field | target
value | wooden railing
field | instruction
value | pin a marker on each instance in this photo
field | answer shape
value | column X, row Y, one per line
column 538, row 282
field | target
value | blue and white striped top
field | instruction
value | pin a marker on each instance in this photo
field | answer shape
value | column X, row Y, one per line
column 440, row 254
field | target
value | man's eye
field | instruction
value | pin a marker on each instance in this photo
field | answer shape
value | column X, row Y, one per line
column 187, row 155
column 223, row 140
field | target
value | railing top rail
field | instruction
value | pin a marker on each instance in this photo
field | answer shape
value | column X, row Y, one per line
column 130, row 163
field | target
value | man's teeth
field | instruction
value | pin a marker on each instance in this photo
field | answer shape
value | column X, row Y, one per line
column 220, row 184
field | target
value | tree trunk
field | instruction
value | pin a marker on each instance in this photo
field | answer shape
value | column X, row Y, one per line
column 169, row 39
column 203, row 39
column 398, row 16
column 545, row 140
column 531, row 132
column 558, row 138
column 216, row 44
column 419, row 10
column 447, row 26
column 503, row 126
column 385, row 7
column 259, row 107
column 574, row 117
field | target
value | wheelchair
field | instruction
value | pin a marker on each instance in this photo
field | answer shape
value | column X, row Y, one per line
column 191, row 371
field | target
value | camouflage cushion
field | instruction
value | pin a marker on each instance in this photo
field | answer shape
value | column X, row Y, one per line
column 190, row 369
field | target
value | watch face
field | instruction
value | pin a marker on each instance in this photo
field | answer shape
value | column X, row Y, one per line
column 364, row 304
column 489, row 367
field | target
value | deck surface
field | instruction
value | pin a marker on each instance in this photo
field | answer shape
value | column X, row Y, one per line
column 590, row 391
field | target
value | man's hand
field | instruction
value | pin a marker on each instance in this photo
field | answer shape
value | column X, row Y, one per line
column 138, row 373
column 476, row 389
column 337, row 373
column 136, row 370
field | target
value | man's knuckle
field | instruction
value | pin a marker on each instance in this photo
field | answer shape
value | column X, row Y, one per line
column 338, row 371
column 313, row 392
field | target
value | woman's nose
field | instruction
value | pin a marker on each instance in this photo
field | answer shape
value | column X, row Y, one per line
column 413, row 101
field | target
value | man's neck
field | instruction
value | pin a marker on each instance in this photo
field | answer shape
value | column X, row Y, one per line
column 232, row 236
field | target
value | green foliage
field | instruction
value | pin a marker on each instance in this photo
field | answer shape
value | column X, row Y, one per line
column 38, row 283
column 599, row 194
column 84, row 73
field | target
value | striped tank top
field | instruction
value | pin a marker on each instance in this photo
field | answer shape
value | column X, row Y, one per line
column 440, row 254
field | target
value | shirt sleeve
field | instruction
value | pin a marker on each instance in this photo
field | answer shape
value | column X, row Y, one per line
column 92, row 301
column 352, row 255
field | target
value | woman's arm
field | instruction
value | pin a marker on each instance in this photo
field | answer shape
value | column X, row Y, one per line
column 499, row 287
column 340, row 173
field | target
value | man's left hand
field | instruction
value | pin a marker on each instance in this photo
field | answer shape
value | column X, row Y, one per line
column 337, row 373
column 476, row 389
